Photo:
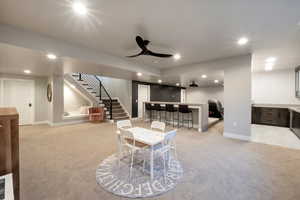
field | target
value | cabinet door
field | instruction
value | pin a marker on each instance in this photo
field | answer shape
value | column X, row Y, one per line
column 283, row 117
column 269, row 116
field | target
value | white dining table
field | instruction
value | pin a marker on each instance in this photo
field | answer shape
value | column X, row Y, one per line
column 149, row 137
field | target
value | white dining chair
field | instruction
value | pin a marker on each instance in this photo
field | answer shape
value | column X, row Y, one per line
column 124, row 124
column 128, row 141
column 163, row 149
column 158, row 125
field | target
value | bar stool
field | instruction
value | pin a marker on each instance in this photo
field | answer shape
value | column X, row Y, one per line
column 157, row 107
column 184, row 110
column 170, row 110
column 149, row 108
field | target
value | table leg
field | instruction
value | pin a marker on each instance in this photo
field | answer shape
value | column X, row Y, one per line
column 151, row 163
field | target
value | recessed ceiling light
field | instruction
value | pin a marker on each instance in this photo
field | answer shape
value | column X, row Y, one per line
column 269, row 66
column 271, row 59
column 159, row 81
column 79, row 8
column 51, row 56
column 216, row 81
column 177, row 56
column 139, row 74
column 243, row 41
column 177, row 84
column 204, row 76
column 27, row 71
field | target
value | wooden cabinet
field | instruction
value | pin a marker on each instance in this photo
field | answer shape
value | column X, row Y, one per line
column 271, row 116
column 9, row 146
column 295, row 123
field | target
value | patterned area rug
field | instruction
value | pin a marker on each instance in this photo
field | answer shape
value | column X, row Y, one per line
column 116, row 179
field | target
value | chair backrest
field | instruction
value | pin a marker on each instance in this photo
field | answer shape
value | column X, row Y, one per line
column 170, row 136
column 215, row 108
column 125, row 135
column 124, row 124
column 170, row 108
column 158, row 125
column 183, row 108
column 95, row 110
column 157, row 106
column 148, row 106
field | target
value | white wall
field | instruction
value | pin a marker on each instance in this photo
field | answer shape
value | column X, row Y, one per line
column 274, row 87
column 40, row 98
column 202, row 95
column 237, row 99
column 73, row 100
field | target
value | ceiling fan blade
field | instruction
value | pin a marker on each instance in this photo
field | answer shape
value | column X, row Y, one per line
column 140, row 42
column 150, row 53
column 141, row 53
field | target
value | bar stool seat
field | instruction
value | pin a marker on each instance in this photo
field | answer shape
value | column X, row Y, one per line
column 158, row 108
column 170, row 109
column 184, row 110
column 149, row 108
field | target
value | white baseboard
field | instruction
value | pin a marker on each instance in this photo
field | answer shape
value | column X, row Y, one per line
column 41, row 122
column 237, row 136
column 136, row 118
column 68, row 123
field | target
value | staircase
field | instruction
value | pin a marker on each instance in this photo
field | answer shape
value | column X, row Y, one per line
column 94, row 87
column 118, row 113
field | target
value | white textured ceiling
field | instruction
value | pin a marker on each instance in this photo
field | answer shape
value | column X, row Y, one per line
column 198, row 29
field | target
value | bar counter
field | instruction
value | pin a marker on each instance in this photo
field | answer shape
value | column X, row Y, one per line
column 200, row 113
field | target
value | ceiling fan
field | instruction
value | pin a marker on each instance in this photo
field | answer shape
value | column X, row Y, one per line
column 193, row 84
column 143, row 45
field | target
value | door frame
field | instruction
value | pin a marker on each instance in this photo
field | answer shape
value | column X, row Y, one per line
column 32, row 116
column 148, row 98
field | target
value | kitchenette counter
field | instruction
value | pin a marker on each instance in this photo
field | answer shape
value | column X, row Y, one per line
column 295, row 109
column 276, row 105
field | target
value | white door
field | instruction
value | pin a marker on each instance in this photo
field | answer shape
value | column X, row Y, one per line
column 182, row 96
column 143, row 95
column 19, row 94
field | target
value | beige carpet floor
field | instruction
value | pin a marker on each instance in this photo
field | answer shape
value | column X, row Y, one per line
column 59, row 163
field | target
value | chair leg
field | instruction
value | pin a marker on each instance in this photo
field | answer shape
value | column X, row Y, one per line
column 178, row 119
column 173, row 120
column 175, row 149
column 131, row 165
column 144, row 162
column 192, row 119
column 164, row 159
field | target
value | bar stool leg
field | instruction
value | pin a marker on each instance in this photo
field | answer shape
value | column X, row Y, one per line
column 178, row 120
column 192, row 119
column 173, row 120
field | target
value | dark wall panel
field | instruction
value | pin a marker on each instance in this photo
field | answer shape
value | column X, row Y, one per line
column 164, row 93
column 134, row 112
column 157, row 93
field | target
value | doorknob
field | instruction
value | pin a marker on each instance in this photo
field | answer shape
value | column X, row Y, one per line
column 30, row 104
